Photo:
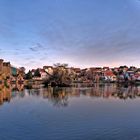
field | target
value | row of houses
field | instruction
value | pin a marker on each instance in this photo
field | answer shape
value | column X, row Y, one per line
column 106, row 74
column 90, row 75
column 10, row 74
column 64, row 74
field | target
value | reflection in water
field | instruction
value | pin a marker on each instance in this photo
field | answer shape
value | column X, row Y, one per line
column 10, row 91
column 97, row 112
column 60, row 96
column 5, row 94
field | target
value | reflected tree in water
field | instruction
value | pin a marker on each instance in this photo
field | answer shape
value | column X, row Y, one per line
column 59, row 97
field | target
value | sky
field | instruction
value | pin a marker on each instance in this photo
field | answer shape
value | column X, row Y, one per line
column 82, row 33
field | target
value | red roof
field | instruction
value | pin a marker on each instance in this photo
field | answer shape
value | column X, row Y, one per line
column 42, row 70
column 77, row 69
column 105, row 67
column 109, row 73
column 33, row 70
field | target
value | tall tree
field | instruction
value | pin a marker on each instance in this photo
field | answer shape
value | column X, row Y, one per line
column 29, row 75
column 37, row 73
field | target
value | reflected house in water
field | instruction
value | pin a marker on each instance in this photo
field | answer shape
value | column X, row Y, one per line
column 5, row 94
column 8, row 92
column 62, row 96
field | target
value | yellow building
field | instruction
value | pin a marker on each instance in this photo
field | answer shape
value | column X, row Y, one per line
column 8, row 73
column 5, row 70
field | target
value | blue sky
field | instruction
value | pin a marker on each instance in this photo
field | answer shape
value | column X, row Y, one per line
column 82, row 33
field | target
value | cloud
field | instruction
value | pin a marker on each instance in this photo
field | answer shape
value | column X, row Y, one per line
column 82, row 35
column 37, row 47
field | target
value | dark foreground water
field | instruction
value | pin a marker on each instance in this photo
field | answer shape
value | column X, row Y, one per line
column 99, row 113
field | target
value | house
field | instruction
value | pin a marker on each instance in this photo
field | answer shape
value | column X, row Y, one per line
column 33, row 71
column 97, row 78
column 109, row 76
column 43, row 74
column 137, row 76
column 105, row 68
column 49, row 69
column 17, row 75
column 20, row 76
column 13, row 74
column 116, row 69
column 77, row 70
column 5, row 70
column 131, row 72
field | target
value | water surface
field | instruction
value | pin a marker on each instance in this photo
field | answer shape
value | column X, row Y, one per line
column 102, row 112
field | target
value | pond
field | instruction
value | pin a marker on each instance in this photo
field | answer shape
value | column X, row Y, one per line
column 101, row 112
